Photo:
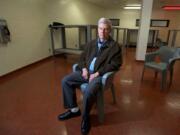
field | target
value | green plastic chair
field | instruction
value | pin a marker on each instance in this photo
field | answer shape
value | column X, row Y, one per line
column 107, row 82
column 167, row 57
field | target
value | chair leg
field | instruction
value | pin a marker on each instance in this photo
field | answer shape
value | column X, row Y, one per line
column 100, row 106
column 113, row 94
column 163, row 80
column 156, row 74
column 171, row 76
column 142, row 74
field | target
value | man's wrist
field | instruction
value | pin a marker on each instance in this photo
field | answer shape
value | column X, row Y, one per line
column 97, row 74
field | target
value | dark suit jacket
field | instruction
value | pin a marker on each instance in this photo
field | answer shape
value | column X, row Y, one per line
column 108, row 59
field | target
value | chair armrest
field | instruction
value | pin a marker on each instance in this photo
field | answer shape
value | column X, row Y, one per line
column 74, row 68
column 175, row 57
column 173, row 60
column 150, row 56
column 107, row 78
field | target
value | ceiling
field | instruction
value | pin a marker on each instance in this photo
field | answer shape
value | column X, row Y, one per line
column 121, row 3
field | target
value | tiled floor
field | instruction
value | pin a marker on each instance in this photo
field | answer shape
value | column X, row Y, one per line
column 30, row 100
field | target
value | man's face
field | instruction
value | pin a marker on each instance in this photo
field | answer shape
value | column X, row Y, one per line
column 103, row 31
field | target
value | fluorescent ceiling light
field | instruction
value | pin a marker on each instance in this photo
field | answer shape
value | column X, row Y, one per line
column 133, row 6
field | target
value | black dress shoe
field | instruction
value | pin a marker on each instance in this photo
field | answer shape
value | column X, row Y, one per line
column 68, row 115
column 85, row 126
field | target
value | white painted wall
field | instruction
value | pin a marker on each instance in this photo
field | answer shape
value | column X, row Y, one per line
column 28, row 23
column 127, row 17
column 174, row 18
column 29, row 34
column 72, row 12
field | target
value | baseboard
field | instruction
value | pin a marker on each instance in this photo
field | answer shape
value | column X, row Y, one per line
column 10, row 74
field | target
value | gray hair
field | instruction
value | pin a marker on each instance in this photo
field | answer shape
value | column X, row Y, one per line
column 105, row 21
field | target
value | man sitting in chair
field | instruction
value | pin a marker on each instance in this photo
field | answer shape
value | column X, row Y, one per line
column 99, row 57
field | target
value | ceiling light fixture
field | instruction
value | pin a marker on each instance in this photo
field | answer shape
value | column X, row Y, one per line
column 173, row 7
column 134, row 6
